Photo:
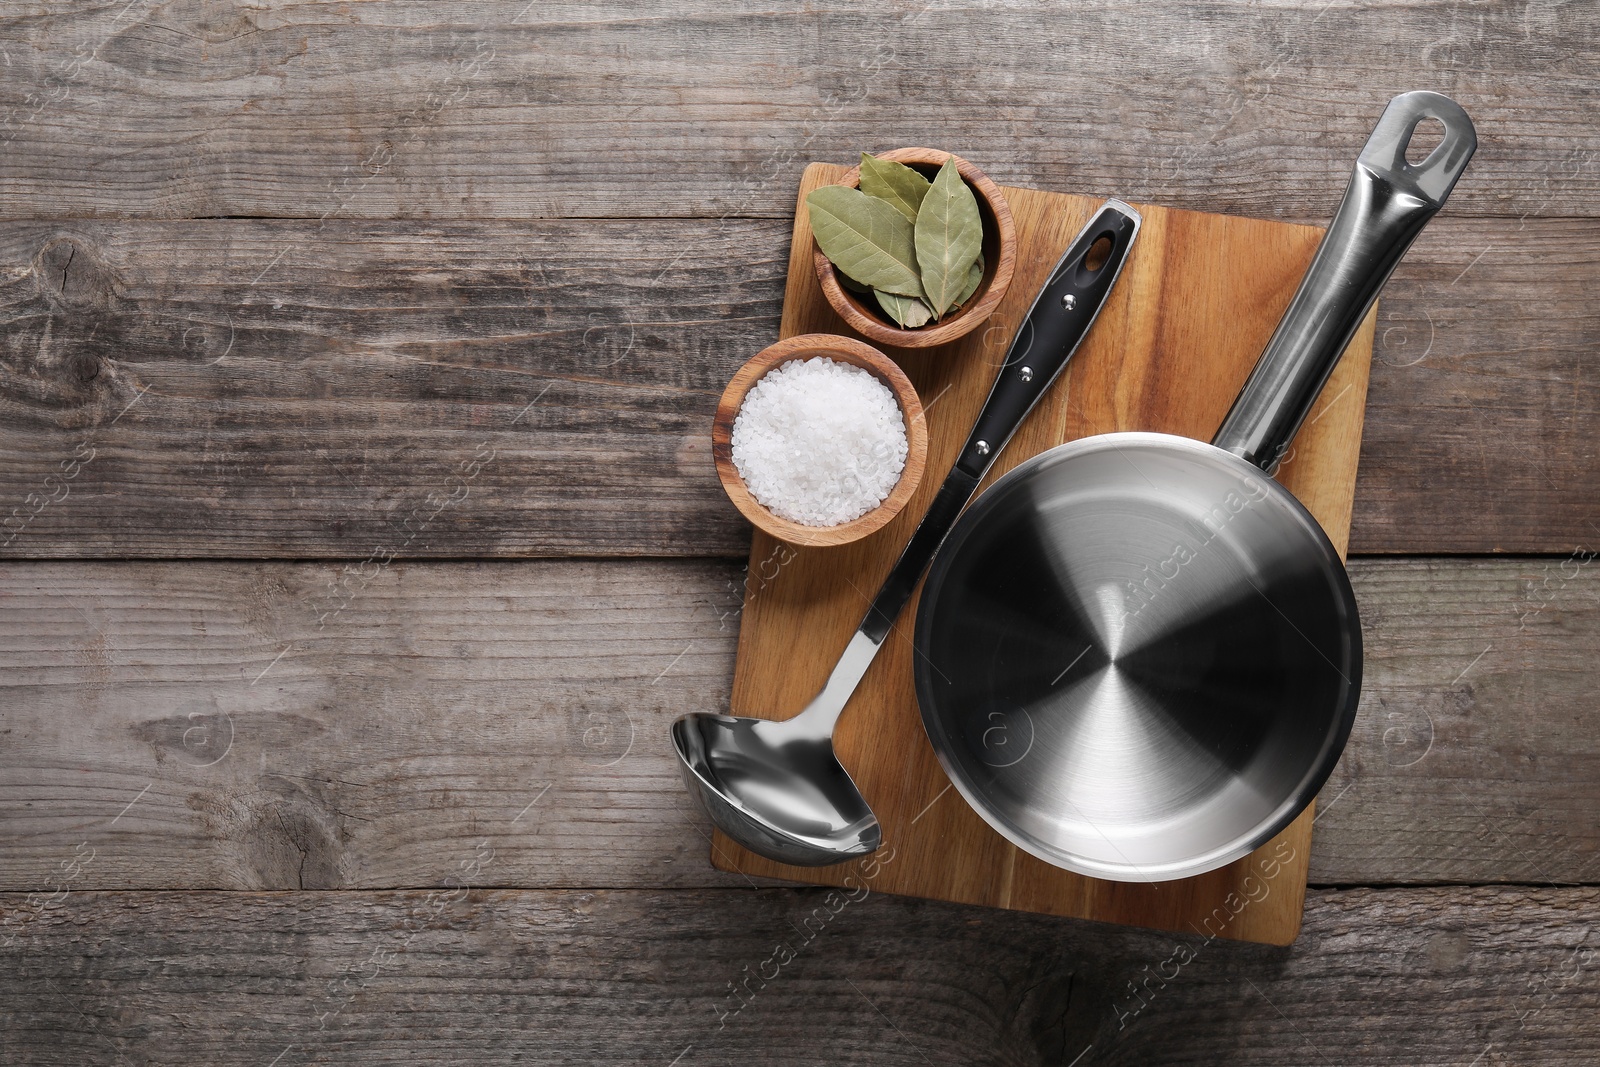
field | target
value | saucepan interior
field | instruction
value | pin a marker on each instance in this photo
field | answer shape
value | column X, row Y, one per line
column 1141, row 657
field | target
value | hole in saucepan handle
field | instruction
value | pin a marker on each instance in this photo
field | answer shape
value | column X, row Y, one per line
column 1099, row 252
column 1425, row 137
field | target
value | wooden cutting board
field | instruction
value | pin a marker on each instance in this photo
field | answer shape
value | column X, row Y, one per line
column 1197, row 300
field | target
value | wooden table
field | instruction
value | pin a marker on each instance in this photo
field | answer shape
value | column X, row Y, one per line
column 361, row 537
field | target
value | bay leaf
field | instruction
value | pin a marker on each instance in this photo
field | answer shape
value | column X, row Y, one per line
column 974, row 279
column 850, row 283
column 895, row 183
column 866, row 238
column 949, row 235
column 908, row 311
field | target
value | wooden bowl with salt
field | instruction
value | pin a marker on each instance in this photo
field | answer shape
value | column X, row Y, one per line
column 843, row 350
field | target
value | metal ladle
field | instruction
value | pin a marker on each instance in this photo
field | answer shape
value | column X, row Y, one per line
column 778, row 788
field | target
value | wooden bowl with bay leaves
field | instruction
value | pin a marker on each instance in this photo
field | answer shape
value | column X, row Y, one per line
column 861, row 310
column 843, row 350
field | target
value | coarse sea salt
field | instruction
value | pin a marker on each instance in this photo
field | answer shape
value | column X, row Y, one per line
column 819, row 442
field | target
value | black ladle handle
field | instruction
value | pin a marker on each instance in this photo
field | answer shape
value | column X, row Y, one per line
column 1385, row 206
column 1058, row 320
column 1056, row 324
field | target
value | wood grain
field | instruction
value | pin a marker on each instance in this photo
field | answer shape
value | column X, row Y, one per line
column 1409, row 978
column 362, row 363
column 593, row 207
column 183, row 108
column 446, row 697
column 1464, row 722
column 297, row 393
column 1198, row 297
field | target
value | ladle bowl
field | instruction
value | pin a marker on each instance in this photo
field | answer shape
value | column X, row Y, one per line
column 776, row 787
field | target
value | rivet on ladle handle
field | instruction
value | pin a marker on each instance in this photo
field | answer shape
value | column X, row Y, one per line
column 1385, row 206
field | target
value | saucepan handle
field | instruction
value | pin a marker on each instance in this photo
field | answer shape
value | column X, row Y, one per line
column 1385, row 206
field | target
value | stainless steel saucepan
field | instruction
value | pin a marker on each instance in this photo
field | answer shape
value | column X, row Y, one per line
column 1141, row 656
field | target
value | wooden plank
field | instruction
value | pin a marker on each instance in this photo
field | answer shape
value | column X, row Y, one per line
column 249, row 389
column 1199, row 296
column 442, row 700
column 1408, row 977
column 467, row 109
column 362, row 363
column 295, row 732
